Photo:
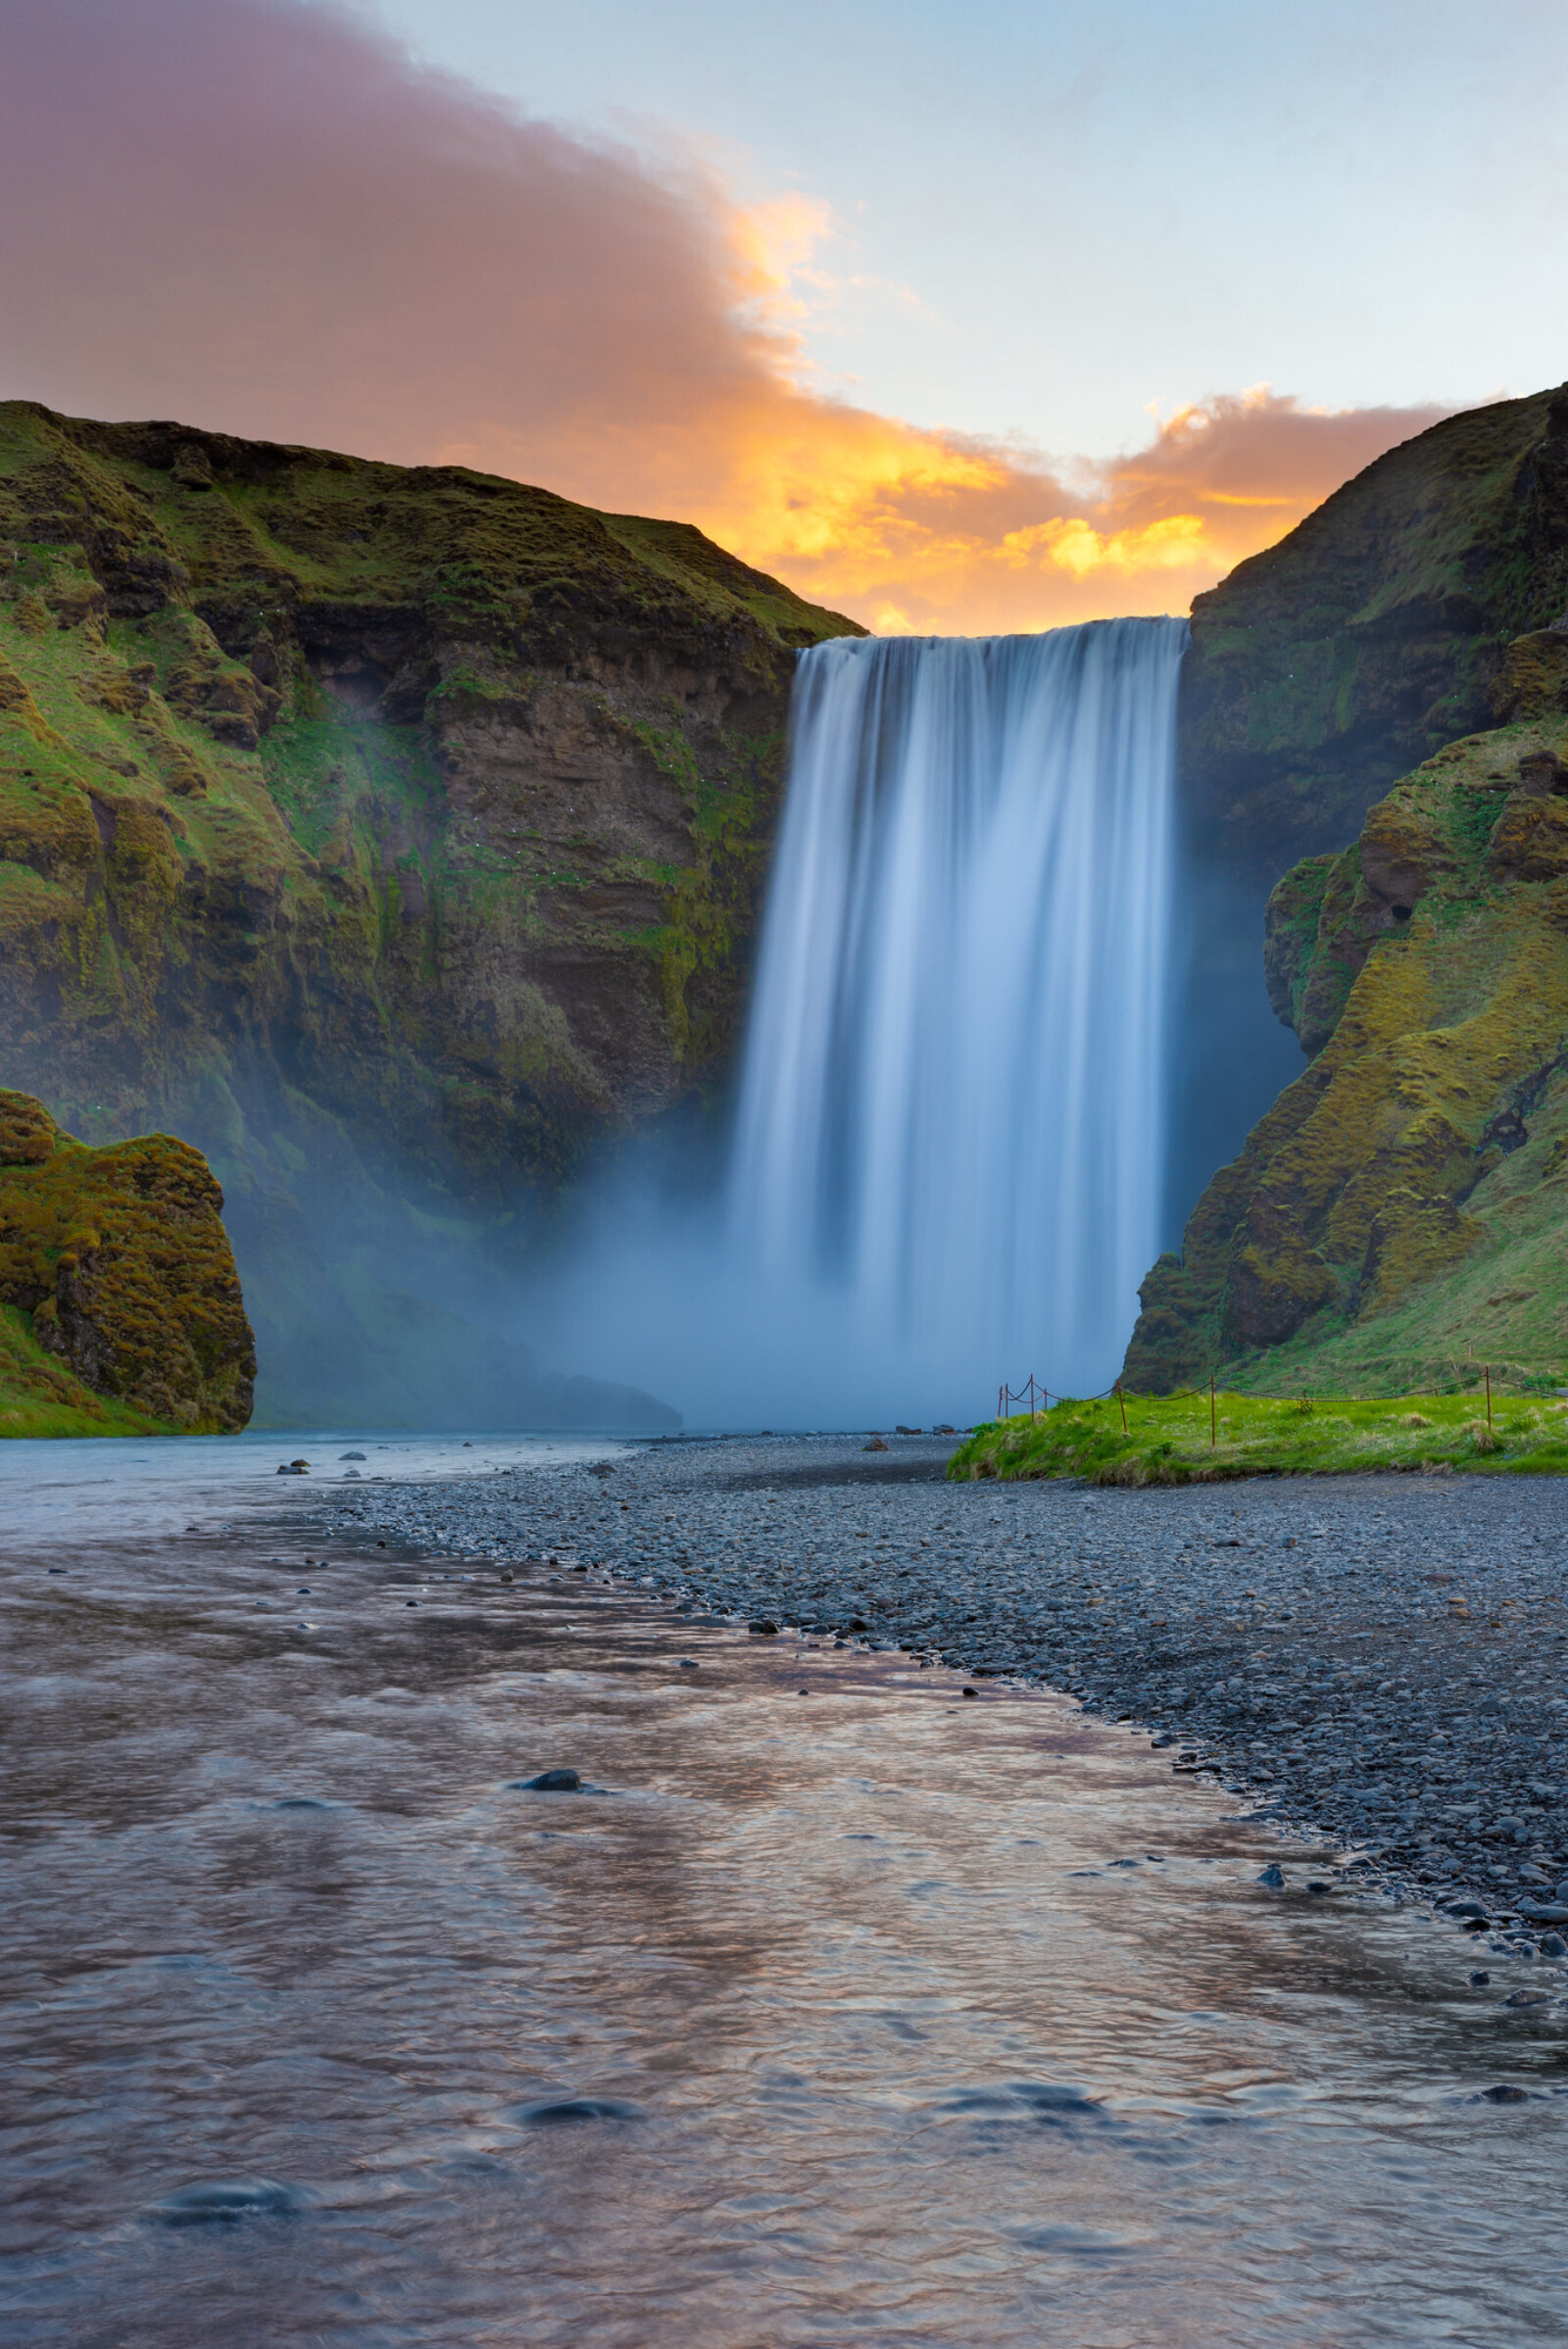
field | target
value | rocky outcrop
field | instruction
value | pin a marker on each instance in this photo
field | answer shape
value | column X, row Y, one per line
column 1322, row 670
column 1382, row 627
column 397, row 834
column 1400, row 1215
column 121, row 1285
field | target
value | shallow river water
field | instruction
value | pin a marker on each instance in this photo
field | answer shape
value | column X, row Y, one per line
column 848, row 2010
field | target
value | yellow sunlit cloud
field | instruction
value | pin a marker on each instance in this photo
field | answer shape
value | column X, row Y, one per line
column 406, row 268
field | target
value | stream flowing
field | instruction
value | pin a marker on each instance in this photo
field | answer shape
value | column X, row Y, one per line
column 837, row 2006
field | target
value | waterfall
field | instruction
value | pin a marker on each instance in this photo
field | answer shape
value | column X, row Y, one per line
column 950, row 1131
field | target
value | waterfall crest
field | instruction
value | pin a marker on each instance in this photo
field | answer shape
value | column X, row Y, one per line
column 951, row 1116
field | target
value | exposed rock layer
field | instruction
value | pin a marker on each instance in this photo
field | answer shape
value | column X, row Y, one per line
column 395, row 832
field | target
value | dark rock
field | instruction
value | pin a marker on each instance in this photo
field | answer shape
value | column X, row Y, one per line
column 1273, row 1876
column 224, row 2202
column 1479, row 1982
column 557, row 2112
column 764, row 1628
column 553, row 1781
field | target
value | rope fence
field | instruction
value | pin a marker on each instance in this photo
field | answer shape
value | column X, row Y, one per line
column 1032, row 1387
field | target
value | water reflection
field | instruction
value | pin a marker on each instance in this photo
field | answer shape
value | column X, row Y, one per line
column 847, row 2011
column 95, row 1489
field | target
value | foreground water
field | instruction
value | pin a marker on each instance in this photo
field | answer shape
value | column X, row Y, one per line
column 870, row 2013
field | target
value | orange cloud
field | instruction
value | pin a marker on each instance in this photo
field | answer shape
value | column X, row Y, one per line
column 260, row 216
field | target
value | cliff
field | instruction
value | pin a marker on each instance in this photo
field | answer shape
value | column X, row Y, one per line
column 397, row 834
column 120, row 1305
column 1399, row 1217
column 1329, row 665
column 1322, row 670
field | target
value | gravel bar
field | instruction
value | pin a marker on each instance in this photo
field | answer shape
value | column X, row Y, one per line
column 1378, row 1658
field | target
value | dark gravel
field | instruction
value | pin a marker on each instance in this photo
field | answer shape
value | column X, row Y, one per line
column 1384, row 1658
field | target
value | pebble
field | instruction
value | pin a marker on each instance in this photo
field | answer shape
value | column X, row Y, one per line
column 1381, row 1659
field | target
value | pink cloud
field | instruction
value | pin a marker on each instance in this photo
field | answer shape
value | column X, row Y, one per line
column 261, row 217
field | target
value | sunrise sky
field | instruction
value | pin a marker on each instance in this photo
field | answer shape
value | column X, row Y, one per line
column 957, row 318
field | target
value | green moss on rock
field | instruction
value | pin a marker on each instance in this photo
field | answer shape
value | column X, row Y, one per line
column 124, row 1311
column 396, row 833
column 1399, row 1217
column 1376, row 631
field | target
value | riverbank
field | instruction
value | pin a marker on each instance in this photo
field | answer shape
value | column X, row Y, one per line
column 1380, row 1658
column 1202, row 1439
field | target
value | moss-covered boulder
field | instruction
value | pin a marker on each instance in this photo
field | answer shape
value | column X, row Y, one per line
column 396, row 833
column 122, row 1307
column 1399, row 1218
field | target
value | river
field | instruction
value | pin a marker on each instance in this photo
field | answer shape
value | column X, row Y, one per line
column 842, row 2008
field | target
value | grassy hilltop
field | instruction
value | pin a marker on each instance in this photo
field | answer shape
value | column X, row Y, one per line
column 1326, row 667
column 395, row 833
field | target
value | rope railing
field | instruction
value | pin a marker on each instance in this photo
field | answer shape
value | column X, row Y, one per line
column 1032, row 1386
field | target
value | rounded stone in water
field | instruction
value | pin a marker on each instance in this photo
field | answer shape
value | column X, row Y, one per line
column 557, row 2112
column 225, row 2201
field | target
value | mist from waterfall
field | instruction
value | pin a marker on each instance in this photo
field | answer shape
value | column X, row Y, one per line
column 949, row 1143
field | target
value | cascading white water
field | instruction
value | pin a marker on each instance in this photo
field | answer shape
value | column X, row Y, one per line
column 951, row 1132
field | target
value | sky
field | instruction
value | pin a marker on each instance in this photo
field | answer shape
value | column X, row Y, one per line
column 959, row 318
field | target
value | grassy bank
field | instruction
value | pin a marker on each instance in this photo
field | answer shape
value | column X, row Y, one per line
column 1169, row 1439
column 41, row 1397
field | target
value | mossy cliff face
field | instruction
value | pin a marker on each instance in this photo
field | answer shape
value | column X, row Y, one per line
column 1325, row 667
column 398, row 833
column 1401, row 1216
column 122, row 1307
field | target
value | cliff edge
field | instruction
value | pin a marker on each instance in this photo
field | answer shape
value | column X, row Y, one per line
column 397, row 834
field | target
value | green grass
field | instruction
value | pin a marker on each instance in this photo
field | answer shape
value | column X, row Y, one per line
column 41, row 1397
column 1167, row 1439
